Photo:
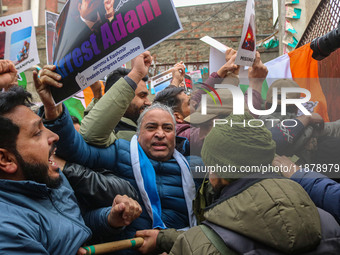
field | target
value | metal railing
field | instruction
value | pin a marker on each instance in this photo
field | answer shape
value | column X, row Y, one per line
column 324, row 19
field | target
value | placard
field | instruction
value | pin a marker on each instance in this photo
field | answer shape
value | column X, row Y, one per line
column 247, row 49
column 93, row 41
column 18, row 41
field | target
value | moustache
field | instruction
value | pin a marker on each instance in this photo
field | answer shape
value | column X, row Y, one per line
column 53, row 147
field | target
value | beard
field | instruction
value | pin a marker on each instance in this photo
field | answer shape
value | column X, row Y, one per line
column 133, row 112
column 38, row 172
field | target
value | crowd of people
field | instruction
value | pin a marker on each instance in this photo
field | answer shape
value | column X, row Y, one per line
column 130, row 169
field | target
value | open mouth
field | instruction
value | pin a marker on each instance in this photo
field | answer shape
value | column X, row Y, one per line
column 51, row 157
column 159, row 146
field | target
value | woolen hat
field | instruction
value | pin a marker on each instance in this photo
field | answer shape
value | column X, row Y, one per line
column 214, row 107
column 236, row 144
column 282, row 83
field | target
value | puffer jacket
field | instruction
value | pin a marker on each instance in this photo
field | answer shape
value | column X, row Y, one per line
column 193, row 135
column 35, row 219
column 116, row 158
column 262, row 216
column 324, row 192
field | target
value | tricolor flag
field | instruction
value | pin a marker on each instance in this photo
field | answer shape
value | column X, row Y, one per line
column 303, row 69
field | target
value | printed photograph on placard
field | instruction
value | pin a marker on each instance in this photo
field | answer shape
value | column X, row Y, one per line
column 20, row 45
column 249, row 41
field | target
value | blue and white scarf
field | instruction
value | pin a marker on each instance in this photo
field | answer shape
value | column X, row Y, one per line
column 145, row 177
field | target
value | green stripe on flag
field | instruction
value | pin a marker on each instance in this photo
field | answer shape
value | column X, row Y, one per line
column 22, row 81
column 264, row 91
column 75, row 107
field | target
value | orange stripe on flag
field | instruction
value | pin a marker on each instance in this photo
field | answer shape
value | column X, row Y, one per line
column 88, row 94
column 305, row 72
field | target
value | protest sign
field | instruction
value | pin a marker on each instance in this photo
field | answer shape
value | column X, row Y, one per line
column 50, row 21
column 94, row 40
column 160, row 81
column 247, row 50
column 196, row 77
column 217, row 53
column 163, row 80
column 18, row 41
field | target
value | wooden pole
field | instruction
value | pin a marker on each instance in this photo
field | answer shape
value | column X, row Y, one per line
column 114, row 246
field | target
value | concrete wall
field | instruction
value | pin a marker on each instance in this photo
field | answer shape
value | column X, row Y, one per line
column 308, row 8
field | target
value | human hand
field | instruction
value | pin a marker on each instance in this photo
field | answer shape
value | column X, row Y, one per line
column 140, row 67
column 287, row 167
column 314, row 119
column 178, row 72
column 317, row 121
column 229, row 66
column 108, row 5
column 48, row 77
column 8, row 74
column 81, row 251
column 150, row 238
column 124, row 211
column 257, row 73
column 97, row 89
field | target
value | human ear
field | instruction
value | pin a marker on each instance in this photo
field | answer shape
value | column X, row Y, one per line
column 8, row 163
column 179, row 117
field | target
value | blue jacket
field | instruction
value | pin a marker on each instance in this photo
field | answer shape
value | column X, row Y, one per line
column 324, row 192
column 35, row 219
column 73, row 148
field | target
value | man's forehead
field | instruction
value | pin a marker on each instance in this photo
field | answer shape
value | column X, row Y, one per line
column 157, row 116
column 142, row 86
column 23, row 116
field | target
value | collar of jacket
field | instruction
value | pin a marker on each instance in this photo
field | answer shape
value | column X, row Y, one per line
column 274, row 211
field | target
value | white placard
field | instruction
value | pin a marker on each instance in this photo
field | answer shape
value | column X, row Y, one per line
column 247, row 48
column 18, row 40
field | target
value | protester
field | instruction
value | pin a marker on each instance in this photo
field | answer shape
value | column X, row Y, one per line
column 301, row 134
column 112, row 125
column 255, row 213
column 184, row 106
column 115, row 115
column 167, row 202
column 76, row 123
column 36, row 200
column 324, row 192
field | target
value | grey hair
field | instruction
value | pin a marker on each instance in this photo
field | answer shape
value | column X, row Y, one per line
column 155, row 106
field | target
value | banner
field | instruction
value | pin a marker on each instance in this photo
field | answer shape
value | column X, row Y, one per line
column 93, row 40
column 247, row 50
column 17, row 40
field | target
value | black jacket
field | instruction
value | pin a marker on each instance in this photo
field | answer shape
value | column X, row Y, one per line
column 95, row 189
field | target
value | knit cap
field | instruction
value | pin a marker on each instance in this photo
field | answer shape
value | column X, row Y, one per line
column 236, row 144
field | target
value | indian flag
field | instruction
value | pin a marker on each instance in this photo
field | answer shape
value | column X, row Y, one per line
column 303, row 69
